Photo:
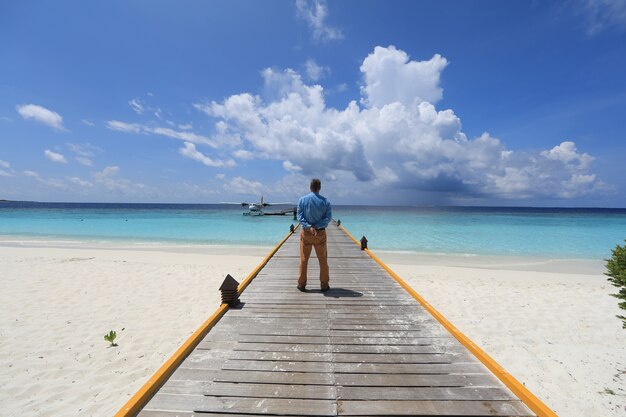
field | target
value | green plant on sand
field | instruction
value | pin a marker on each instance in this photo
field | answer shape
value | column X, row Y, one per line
column 616, row 271
column 110, row 337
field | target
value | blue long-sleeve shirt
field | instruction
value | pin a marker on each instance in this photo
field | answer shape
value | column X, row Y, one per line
column 314, row 210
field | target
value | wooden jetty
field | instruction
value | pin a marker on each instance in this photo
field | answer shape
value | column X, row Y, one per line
column 364, row 348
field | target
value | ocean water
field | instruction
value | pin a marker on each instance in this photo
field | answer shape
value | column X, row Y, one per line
column 545, row 232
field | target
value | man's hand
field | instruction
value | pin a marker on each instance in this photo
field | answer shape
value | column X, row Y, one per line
column 313, row 231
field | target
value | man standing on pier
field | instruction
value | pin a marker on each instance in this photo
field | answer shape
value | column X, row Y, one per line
column 314, row 214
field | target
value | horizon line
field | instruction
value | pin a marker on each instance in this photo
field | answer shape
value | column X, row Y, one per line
column 335, row 205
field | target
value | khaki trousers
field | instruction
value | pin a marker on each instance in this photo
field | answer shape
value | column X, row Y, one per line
column 307, row 241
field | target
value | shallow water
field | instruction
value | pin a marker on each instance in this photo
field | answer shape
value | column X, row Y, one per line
column 562, row 233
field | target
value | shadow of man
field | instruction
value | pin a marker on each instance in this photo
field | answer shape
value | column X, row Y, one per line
column 342, row 293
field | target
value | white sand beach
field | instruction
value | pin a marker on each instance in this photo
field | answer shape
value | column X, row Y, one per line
column 550, row 324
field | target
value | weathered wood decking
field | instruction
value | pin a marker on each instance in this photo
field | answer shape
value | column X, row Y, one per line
column 364, row 348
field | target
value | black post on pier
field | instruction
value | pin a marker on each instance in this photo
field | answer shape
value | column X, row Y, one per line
column 229, row 291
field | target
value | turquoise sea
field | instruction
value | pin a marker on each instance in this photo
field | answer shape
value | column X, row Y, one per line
column 545, row 232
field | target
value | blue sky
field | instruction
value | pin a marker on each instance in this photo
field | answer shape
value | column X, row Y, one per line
column 469, row 103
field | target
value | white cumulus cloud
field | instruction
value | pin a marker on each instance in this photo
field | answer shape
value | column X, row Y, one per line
column 289, row 166
column 81, row 182
column 399, row 139
column 567, row 153
column 243, row 154
column 41, row 114
column 390, row 77
column 315, row 71
column 314, row 13
column 190, row 151
column 55, row 157
column 110, row 179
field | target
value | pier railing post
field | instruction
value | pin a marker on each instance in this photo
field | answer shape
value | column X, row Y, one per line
column 363, row 243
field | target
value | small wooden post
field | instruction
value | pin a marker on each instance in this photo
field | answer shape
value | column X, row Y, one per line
column 338, row 222
column 363, row 243
column 229, row 291
column 292, row 228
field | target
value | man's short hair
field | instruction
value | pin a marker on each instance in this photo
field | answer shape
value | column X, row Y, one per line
column 316, row 184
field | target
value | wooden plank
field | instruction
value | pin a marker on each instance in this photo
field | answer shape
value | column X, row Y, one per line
column 225, row 389
column 291, row 340
column 161, row 413
column 407, row 341
column 180, row 386
column 281, row 347
column 386, row 380
column 293, row 316
column 355, row 367
column 291, row 378
column 316, row 308
column 377, row 326
column 207, row 365
column 213, row 355
column 287, row 324
column 282, row 356
column 322, row 348
column 432, row 408
column 424, row 393
column 276, row 406
column 283, row 332
column 178, row 413
column 309, row 392
column 442, row 357
column 381, row 349
column 410, row 368
column 338, row 357
column 188, row 374
column 302, row 330
column 389, row 334
column 303, row 340
column 366, row 320
column 278, row 366
column 328, row 301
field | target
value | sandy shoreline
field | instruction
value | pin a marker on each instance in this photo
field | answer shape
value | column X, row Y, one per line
column 550, row 323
